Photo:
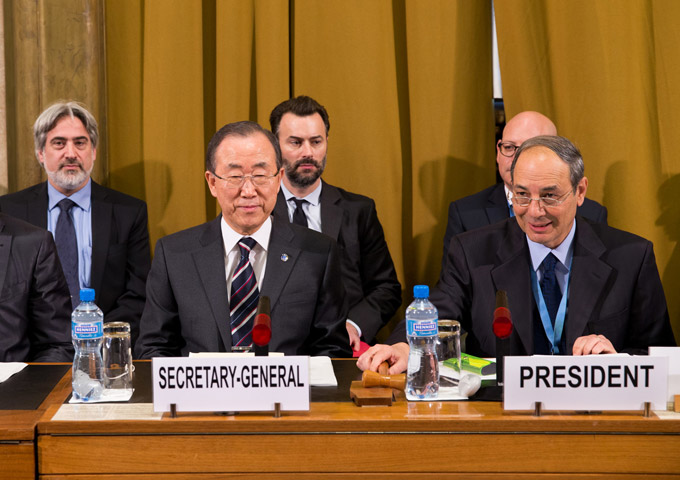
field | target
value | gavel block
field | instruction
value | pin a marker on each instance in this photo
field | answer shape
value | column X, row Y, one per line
column 376, row 388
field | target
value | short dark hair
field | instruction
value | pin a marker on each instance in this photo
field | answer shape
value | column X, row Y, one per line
column 242, row 129
column 563, row 148
column 302, row 106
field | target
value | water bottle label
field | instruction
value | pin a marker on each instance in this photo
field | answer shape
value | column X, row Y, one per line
column 86, row 331
column 421, row 328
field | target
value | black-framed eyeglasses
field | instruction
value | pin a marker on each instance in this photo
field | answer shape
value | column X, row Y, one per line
column 547, row 200
column 236, row 181
column 507, row 149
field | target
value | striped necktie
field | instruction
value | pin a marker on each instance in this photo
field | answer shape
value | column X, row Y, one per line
column 244, row 297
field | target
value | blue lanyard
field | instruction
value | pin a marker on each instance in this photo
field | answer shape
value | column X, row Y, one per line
column 553, row 336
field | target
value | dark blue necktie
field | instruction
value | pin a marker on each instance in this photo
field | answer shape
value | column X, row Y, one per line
column 549, row 286
column 67, row 248
column 512, row 212
column 244, row 297
column 299, row 217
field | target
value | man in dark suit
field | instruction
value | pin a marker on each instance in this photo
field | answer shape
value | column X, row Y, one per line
column 106, row 241
column 491, row 205
column 573, row 286
column 204, row 283
column 35, row 308
column 373, row 291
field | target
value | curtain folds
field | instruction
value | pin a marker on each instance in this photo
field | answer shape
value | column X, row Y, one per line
column 408, row 86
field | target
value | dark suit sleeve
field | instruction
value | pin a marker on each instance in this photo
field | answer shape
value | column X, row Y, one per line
column 649, row 324
column 328, row 335
column 452, row 295
column 454, row 226
column 49, row 308
column 160, row 331
column 380, row 286
column 130, row 304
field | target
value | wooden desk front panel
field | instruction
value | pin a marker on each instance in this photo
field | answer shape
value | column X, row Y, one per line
column 360, row 453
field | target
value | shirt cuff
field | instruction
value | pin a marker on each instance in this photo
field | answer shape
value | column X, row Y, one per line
column 355, row 326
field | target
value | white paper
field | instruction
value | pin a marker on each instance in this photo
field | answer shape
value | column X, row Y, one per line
column 89, row 412
column 108, row 395
column 321, row 372
column 7, row 369
column 673, row 354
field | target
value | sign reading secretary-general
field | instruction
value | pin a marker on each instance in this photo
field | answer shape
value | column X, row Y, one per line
column 201, row 384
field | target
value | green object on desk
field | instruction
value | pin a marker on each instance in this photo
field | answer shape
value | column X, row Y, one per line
column 473, row 364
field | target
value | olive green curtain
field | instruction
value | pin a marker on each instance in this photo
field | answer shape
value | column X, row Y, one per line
column 608, row 74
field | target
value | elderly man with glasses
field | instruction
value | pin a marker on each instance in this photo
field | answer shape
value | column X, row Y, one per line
column 574, row 287
column 492, row 204
column 205, row 282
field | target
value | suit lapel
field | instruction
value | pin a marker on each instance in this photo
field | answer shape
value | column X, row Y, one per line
column 513, row 275
column 281, row 209
column 497, row 205
column 5, row 247
column 213, row 279
column 587, row 282
column 281, row 258
column 331, row 213
column 37, row 207
column 102, row 219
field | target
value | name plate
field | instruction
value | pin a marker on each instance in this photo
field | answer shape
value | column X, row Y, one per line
column 591, row 382
column 240, row 384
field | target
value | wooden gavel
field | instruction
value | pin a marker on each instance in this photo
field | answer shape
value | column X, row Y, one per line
column 382, row 378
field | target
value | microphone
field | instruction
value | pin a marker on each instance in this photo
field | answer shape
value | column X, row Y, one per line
column 262, row 328
column 502, row 329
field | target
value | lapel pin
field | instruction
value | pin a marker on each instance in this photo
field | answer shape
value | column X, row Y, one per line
column 284, row 257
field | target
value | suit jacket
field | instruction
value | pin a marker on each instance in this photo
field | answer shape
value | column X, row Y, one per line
column 491, row 206
column 187, row 308
column 614, row 288
column 370, row 280
column 120, row 246
column 35, row 304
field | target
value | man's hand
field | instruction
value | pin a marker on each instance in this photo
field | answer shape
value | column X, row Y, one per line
column 396, row 355
column 354, row 340
column 592, row 345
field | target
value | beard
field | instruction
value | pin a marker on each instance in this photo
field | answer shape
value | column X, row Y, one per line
column 69, row 179
column 302, row 179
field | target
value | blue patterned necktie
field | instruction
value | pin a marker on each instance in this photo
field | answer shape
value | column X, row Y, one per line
column 299, row 217
column 549, row 286
column 67, row 248
column 244, row 297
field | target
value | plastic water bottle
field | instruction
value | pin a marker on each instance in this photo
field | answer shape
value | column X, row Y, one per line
column 87, row 325
column 422, row 377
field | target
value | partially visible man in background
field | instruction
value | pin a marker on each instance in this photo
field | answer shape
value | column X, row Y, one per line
column 101, row 235
column 373, row 291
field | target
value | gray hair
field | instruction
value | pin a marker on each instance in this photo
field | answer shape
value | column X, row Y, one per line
column 562, row 147
column 51, row 115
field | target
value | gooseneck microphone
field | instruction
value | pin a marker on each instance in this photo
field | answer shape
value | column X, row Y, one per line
column 262, row 327
column 502, row 329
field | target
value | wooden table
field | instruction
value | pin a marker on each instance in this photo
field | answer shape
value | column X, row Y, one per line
column 17, row 430
column 337, row 440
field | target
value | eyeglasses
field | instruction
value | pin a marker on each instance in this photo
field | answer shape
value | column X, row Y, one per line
column 507, row 149
column 547, row 200
column 236, row 181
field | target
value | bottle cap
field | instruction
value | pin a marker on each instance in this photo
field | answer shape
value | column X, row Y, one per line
column 421, row 291
column 87, row 294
